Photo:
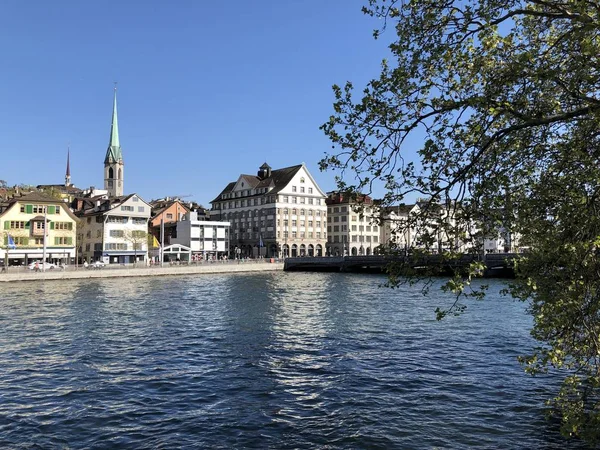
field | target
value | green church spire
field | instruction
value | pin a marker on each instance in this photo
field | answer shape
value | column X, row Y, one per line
column 113, row 154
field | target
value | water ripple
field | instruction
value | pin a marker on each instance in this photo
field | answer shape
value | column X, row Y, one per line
column 263, row 361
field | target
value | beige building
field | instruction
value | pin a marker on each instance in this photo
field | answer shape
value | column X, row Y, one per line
column 276, row 213
column 26, row 220
column 352, row 225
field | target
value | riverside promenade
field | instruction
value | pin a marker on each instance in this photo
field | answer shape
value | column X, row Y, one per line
column 71, row 272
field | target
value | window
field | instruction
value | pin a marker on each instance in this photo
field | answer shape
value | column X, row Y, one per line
column 169, row 216
column 294, row 223
column 135, row 199
column 21, row 240
column 310, row 190
column 98, row 233
column 63, row 240
column 318, row 224
column 353, row 218
column 141, row 208
column 15, row 224
column 57, row 209
column 293, row 188
column 116, row 233
column 87, row 247
column 63, row 226
column 302, row 180
column 310, row 223
column 354, row 238
column 310, row 201
column 127, row 208
column 294, row 200
column 302, row 200
column 344, row 218
column 117, row 219
column 336, row 219
column 286, row 199
column 302, row 223
column 115, row 246
column 318, row 235
column 302, row 189
column 375, row 239
column 294, row 234
column 39, row 241
column 39, row 225
column 353, row 227
column 302, row 234
column 336, row 209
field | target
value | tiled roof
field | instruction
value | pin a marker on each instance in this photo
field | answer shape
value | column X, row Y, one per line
column 35, row 197
column 279, row 179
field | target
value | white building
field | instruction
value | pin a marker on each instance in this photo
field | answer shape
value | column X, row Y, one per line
column 276, row 213
column 113, row 229
column 205, row 239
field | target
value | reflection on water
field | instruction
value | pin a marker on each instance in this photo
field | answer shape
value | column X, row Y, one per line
column 278, row 360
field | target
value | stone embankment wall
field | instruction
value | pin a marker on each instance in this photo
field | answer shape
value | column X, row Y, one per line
column 107, row 272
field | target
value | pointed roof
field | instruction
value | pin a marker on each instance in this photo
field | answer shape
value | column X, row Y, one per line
column 68, row 174
column 279, row 179
column 113, row 154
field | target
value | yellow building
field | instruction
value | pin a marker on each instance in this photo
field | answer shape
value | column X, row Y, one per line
column 23, row 221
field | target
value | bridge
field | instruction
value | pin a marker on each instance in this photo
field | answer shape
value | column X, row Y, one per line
column 496, row 264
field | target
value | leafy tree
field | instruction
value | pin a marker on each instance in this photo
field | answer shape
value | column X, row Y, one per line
column 138, row 239
column 505, row 98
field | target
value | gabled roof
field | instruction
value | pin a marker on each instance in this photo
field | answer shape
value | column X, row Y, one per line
column 37, row 197
column 278, row 180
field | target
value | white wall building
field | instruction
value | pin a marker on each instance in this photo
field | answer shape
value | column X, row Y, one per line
column 114, row 230
column 276, row 213
column 206, row 239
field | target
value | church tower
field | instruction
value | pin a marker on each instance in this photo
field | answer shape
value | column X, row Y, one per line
column 113, row 162
column 68, row 172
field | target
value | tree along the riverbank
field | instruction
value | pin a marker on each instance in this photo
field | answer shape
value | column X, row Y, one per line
column 504, row 96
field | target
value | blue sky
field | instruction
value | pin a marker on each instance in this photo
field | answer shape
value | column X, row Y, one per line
column 206, row 90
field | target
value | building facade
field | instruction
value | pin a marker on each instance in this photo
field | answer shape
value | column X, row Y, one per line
column 113, row 229
column 352, row 225
column 206, row 239
column 37, row 224
column 276, row 213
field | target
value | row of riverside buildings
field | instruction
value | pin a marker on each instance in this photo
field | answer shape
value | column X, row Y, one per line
column 275, row 213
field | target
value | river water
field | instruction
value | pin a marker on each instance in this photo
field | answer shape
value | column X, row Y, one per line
column 278, row 360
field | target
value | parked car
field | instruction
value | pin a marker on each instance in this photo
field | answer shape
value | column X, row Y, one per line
column 41, row 266
column 97, row 265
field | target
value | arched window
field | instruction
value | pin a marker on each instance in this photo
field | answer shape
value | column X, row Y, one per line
column 110, row 172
